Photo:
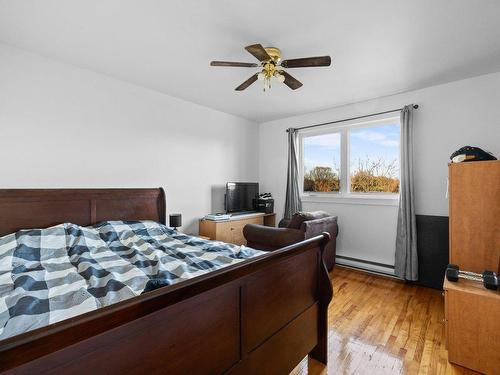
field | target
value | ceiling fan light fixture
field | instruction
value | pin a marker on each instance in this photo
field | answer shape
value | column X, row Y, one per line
column 270, row 61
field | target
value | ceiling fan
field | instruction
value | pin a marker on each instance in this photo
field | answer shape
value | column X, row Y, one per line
column 270, row 62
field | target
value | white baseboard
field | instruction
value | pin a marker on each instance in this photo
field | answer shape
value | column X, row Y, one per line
column 378, row 268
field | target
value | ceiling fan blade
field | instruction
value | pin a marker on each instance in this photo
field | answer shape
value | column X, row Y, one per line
column 247, row 83
column 290, row 81
column 237, row 64
column 258, row 51
column 307, row 62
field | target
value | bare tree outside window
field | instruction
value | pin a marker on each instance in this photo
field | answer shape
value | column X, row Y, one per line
column 374, row 159
column 375, row 176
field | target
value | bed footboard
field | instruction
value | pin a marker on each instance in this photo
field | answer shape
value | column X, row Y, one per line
column 260, row 316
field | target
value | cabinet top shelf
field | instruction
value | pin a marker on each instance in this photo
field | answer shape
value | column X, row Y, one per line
column 473, row 287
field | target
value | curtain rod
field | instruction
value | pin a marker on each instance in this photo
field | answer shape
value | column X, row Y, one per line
column 415, row 106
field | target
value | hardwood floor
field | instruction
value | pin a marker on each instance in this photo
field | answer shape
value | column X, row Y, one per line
column 379, row 325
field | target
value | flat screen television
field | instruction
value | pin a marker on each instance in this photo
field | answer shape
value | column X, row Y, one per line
column 240, row 196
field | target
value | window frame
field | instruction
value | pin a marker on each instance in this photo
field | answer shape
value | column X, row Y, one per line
column 344, row 195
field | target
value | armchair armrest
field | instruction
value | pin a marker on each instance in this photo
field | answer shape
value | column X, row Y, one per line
column 270, row 238
column 327, row 224
column 315, row 227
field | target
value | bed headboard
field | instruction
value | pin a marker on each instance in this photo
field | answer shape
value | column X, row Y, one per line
column 41, row 208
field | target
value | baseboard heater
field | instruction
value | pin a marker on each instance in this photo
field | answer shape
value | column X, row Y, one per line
column 363, row 264
column 432, row 248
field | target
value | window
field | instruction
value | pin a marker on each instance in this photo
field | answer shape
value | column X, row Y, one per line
column 352, row 159
column 322, row 163
column 374, row 159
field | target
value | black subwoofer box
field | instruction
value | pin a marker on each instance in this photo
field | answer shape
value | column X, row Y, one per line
column 432, row 248
column 264, row 205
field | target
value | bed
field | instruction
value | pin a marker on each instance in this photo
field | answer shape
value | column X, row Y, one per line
column 261, row 315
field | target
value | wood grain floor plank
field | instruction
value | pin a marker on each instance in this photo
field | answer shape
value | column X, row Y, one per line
column 380, row 325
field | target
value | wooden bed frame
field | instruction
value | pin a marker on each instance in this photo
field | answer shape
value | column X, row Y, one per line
column 261, row 316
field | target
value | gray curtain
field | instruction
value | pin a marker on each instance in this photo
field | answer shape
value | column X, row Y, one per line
column 406, row 266
column 292, row 202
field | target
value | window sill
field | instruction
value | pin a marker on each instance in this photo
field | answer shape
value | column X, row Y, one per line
column 363, row 199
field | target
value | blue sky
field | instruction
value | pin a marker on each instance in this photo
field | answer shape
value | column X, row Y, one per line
column 372, row 143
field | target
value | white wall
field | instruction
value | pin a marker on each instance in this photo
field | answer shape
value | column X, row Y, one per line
column 460, row 113
column 61, row 126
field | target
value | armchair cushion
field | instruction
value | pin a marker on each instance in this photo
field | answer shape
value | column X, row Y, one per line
column 284, row 223
column 270, row 238
column 299, row 217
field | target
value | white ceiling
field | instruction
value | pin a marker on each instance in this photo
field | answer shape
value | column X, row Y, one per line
column 377, row 47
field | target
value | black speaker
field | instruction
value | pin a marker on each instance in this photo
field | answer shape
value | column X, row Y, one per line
column 432, row 248
column 175, row 220
column 264, row 205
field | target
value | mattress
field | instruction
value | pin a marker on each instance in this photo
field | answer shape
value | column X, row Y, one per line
column 49, row 275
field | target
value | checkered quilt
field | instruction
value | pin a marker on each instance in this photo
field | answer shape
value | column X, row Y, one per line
column 48, row 275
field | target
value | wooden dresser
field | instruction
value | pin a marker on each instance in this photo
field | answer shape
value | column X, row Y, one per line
column 472, row 313
column 232, row 230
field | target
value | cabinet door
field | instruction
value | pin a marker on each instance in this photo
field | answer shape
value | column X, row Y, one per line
column 237, row 229
column 474, row 213
column 237, row 234
column 224, row 232
column 473, row 329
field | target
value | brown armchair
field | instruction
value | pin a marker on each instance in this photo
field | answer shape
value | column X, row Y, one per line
column 303, row 225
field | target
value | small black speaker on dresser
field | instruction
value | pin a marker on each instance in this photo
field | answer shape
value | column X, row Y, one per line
column 175, row 220
column 264, row 205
